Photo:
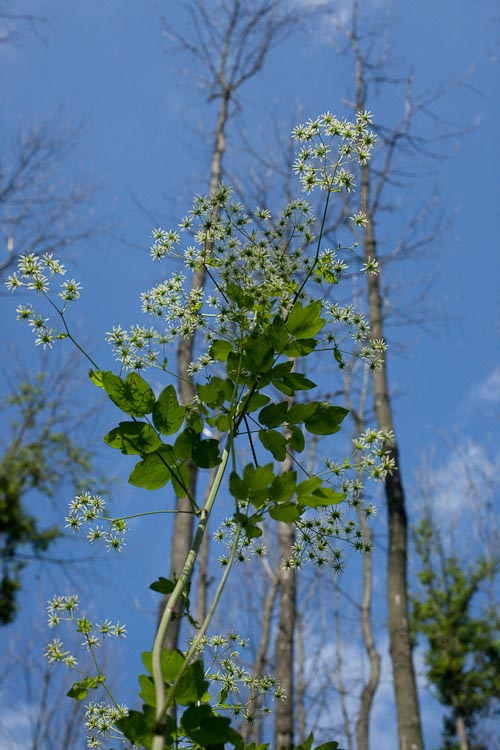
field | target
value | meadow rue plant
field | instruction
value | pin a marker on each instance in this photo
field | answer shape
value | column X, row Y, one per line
column 261, row 313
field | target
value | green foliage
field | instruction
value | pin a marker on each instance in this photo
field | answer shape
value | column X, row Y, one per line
column 463, row 644
column 261, row 319
column 39, row 455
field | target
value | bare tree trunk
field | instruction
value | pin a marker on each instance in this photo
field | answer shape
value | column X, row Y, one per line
column 339, row 682
column 405, row 687
column 462, row 737
column 284, row 723
column 183, row 524
column 371, row 685
column 301, row 681
column 251, row 731
column 231, row 45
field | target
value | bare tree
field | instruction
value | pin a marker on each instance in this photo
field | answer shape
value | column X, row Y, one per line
column 227, row 45
column 365, row 611
column 369, row 50
column 40, row 210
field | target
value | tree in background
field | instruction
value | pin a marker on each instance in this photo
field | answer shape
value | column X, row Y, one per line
column 41, row 211
column 462, row 634
column 227, row 44
column 399, row 151
column 41, row 454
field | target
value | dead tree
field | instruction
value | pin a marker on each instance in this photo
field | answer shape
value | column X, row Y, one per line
column 227, row 45
column 369, row 52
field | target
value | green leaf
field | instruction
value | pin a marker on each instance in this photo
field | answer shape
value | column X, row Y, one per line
column 147, row 692
column 255, row 401
column 96, row 377
column 300, row 347
column 250, row 527
column 184, row 442
column 283, row 486
column 133, row 396
column 133, row 438
column 328, row 746
column 300, row 412
column 308, row 486
column 180, row 480
column 338, row 356
column 163, row 586
column 168, row 416
column 286, row 513
column 277, row 334
column 283, row 368
column 304, row 322
column 222, row 422
column 153, row 471
column 212, row 394
column 275, row 442
column 235, row 293
column 307, row 744
column 219, row 349
column 237, row 487
column 254, row 486
column 258, row 355
column 78, row 691
column 296, row 439
column 257, row 478
column 322, row 496
column 326, row 419
column 192, row 686
column 206, row 454
column 273, row 415
column 291, row 382
column 208, row 729
column 138, row 726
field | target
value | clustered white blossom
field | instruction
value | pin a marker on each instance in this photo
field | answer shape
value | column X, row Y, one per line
column 250, row 265
column 63, row 609
column 85, row 509
column 34, row 273
column 318, row 164
column 240, row 691
column 246, row 548
column 100, row 721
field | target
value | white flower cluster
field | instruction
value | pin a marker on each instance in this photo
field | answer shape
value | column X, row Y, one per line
column 64, row 609
column 100, row 721
column 247, row 548
column 87, row 508
column 240, row 691
column 319, row 164
column 34, row 273
column 316, row 536
column 353, row 323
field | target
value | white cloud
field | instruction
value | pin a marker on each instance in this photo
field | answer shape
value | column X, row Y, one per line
column 15, row 727
column 488, row 391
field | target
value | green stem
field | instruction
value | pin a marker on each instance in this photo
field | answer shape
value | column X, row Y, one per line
column 68, row 334
column 206, row 622
column 158, row 740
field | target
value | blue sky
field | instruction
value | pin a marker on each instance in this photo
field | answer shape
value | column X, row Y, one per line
column 105, row 65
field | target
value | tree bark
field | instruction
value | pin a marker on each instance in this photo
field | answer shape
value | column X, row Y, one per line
column 183, row 523
column 462, row 737
column 371, row 685
column 252, row 730
column 405, row 687
column 284, row 714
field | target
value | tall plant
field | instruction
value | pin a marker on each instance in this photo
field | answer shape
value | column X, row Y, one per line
column 261, row 316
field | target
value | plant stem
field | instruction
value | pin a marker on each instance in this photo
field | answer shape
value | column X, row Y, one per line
column 158, row 739
column 206, row 622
